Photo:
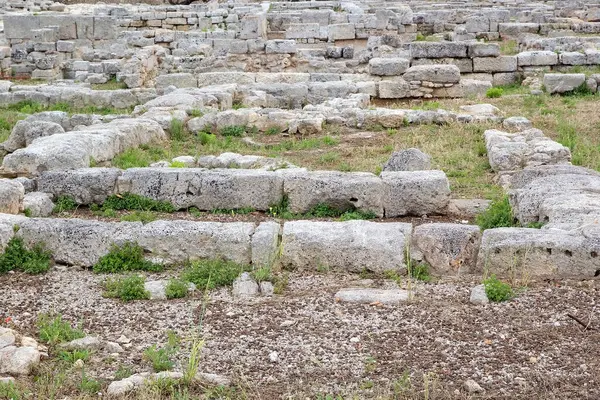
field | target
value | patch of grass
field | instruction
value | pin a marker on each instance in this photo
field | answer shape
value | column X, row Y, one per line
column 499, row 214
column 263, row 274
column 420, row 272
column 132, row 158
column 141, row 216
column 273, row 130
column 130, row 201
column 330, row 140
column 112, row 84
column 177, row 130
column 176, row 289
column 54, row 330
column 234, row 211
column 64, row 203
column 74, row 355
column 33, row 107
column 496, row 290
column 509, row 47
column 123, row 372
column 237, row 105
column 212, row 273
column 125, row 258
column 17, row 256
column 88, row 385
column 233, row 131
column 428, row 106
column 127, row 288
column 161, row 358
column 10, row 391
column 494, row 92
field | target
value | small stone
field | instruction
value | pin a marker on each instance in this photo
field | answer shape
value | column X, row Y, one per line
column 478, row 295
column 112, row 347
column 408, row 160
column 287, row 323
column 79, row 364
column 354, row 340
column 473, row 387
column 123, row 339
column 267, row 288
column 7, row 379
column 214, row 379
column 27, row 341
column 87, row 343
column 245, row 286
column 274, row 356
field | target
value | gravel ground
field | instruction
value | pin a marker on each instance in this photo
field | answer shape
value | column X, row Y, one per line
column 524, row 348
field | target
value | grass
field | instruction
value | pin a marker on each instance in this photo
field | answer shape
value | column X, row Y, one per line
column 73, row 355
column 498, row 214
column 125, row 258
column 112, row 84
column 64, row 203
column 496, row 290
column 176, row 289
column 17, row 257
column 160, row 358
column 32, row 107
column 420, row 272
column 141, row 216
column 130, row 201
column 54, row 330
column 127, row 288
column 493, row 93
column 211, row 274
column 509, row 47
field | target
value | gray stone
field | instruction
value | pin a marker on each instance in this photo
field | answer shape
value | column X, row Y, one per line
column 340, row 190
column 480, row 109
column 388, row 66
column 347, row 246
column 495, row 64
column 18, row 360
column 280, row 46
column 516, row 124
column 369, row 296
column 205, row 189
column 267, row 288
column 408, row 160
column 433, row 73
column 85, row 343
column 415, row 193
column 245, row 286
column 394, row 89
column 7, row 337
column 157, row 289
column 538, row 253
column 265, row 244
column 84, row 185
column 467, row 208
column 38, row 204
column 449, row 249
column 11, row 196
column 484, row 50
column 563, row 83
column 438, row 49
column 537, row 58
column 473, row 387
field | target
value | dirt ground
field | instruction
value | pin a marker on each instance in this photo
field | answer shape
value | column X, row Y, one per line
column 521, row 349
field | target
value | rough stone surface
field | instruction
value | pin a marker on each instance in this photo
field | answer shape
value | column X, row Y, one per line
column 351, row 246
column 415, row 193
column 478, row 295
column 408, row 160
column 84, row 185
column 11, row 196
column 563, row 83
column 38, row 204
column 245, row 286
column 369, row 296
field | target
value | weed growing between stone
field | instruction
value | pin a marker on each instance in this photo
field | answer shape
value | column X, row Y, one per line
column 73, row 355
column 496, row 290
column 130, row 201
column 64, row 203
column 499, row 214
column 17, row 257
column 493, row 93
column 161, row 358
column 125, row 258
column 176, row 289
column 211, row 274
column 126, row 288
column 32, row 107
column 54, row 330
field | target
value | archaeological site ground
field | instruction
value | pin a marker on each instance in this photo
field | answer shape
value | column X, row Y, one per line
column 299, row 200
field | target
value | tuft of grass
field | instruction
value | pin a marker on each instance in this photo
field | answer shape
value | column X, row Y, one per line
column 161, row 358
column 212, row 273
column 496, row 290
column 494, row 93
column 126, row 288
column 54, row 330
column 10, row 391
column 74, row 355
column 88, row 385
column 176, row 289
column 177, row 130
column 64, row 203
column 132, row 158
column 263, row 274
column 498, row 215
column 130, row 201
column 112, row 84
column 233, row 131
column 123, row 372
column 273, row 130
column 17, row 257
column 141, row 216
column 420, row 272
column 509, row 47
column 125, row 258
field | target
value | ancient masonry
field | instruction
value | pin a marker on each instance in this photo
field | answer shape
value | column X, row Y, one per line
column 294, row 67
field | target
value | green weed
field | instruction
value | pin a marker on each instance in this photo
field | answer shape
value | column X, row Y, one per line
column 212, row 273
column 54, row 330
column 64, row 203
column 176, row 289
column 130, row 201
column 499, row 214
column 496, row 290
column 17, row 257
column 126, row 288
column 125, row 258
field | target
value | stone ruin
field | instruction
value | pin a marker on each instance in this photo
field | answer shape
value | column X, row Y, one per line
column 296, row 66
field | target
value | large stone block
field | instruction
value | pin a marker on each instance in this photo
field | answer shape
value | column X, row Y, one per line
column 278, row 46
column 448, row 248
column 433, row 73
column 523, row 253
column 415, row 193
column 265, row 244
column 340, row 190
column 388, row 66
column 302, row 31
column 11, row 196
column 341, row 32
column 394, row 89
column 537, row 58
column 563, row 83
column 349, row 246
column 495, row 64
column 438, row 49
column 465, row 65
column 484, row 50
column 85, row 186
column 205, row 189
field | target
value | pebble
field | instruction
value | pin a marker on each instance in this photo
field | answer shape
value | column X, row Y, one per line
column 473, row 387
column 274, row 356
